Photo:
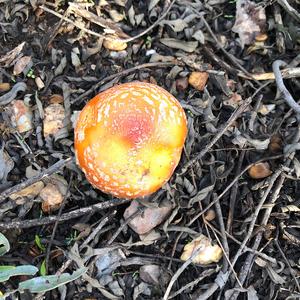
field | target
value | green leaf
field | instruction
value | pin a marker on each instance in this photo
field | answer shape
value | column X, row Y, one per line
column 43, row 270
column 5, row 246
column 38, row 242
column 50, row 282
column 5, row 268
column 8, row 271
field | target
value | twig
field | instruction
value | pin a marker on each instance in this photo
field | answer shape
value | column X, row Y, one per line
column 230, row 121
column 64, row 217
column 226, row 257
column 122, row 73
column 229, row 187
column 135, row 214
column 18, row 187
column 279, row 35
column 55, row 31
column 289, row 9
column 285, row 73
column 78, row 25
column 223, row 236
column 229, row 56
column 223, row 64
column 205, row 274
column 281, row 87
column 254, row 112
column 259, row 206
column 104, row 23
column 287, row 262
column 77, row 9
column 97, row 229
column 56, row 222
column 248, row 262
column 234, row 194
column 180, row 270
column 153, row 25
column 248, row 249
column 247, row 265
column 104, row 220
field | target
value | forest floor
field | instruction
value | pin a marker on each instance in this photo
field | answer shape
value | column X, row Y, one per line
column 235, row 188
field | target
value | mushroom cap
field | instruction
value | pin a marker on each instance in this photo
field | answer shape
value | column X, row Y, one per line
column 129, row 139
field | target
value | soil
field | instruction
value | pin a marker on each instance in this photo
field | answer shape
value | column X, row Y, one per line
column 237, row 180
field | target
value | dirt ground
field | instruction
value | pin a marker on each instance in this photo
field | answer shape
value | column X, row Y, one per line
column 233, row 199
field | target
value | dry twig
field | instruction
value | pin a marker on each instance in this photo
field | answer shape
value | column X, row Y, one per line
column 64, row 217
column 122, row 73
column 289, row 9
column 236, row 114
column 248, row 262
column 103, row 22
column 56, row 222
column 280, row 85
column 51, row 170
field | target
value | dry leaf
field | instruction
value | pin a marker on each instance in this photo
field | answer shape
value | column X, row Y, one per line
column 114, row 44
column 54, row 117
column 21, row 116
column 31, row 191
column 39, row 83
column 181, row 45
column 84, row 230
column 6, row 164
column 182, row 84
column 261, row 37
column 75, row 59
column 150, row 218
column 234, row 100
column 198, row 80
column 8, row 58
column 155, row 57
column 4, row 87
column 250, row 21
column 152, row 4
column 56, row 98
column 243, row 139
column 131, row 14
column 21, row 64
column 60, row 68
column 260, row 170
column 176, row 25
column 150, row 274
column 210, row 215
column 275, row 145
column 52, row 198
column 264, row 109
column 199, row 36
column 290, row 208
column 115, row 15
column 208, row 254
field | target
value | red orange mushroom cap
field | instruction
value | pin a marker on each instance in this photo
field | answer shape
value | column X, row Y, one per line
column 129, row 139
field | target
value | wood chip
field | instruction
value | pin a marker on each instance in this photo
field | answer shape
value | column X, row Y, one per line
column 4, row 87
column 114, row 44
column 52, row 198
column 198, row 80
column 208, row 254
column 260, row 170
column 31, row 191
column 21, row 116
column 54, row 117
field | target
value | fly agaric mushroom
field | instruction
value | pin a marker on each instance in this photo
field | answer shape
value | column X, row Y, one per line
column 129, row 139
